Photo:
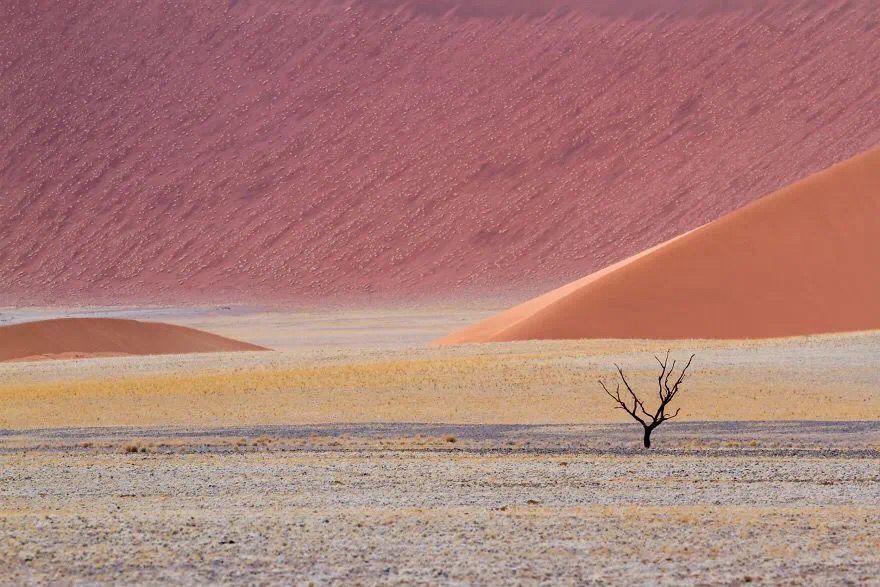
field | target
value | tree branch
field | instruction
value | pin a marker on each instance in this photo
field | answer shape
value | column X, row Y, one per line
column 637, row 403
column 622, row 404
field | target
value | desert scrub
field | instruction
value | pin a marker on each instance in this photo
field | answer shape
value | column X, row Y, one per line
column 134, row 447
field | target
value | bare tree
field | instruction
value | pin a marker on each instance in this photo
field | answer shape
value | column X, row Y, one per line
column 666, row 393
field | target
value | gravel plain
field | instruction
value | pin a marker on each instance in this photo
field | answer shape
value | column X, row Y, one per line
column 714, row 503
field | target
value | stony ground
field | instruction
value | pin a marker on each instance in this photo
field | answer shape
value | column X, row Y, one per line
column 714, row 503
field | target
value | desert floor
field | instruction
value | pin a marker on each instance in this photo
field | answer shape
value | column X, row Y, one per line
column 357, row 453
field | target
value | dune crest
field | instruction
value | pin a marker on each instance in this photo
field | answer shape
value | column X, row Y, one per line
column 100, row 337
column 803, row 260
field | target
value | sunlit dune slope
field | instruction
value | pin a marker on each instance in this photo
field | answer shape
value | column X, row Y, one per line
column 803, row 260
column 87, row 337
column 262, row 150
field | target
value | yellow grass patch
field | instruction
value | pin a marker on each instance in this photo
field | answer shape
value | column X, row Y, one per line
column 533, row 383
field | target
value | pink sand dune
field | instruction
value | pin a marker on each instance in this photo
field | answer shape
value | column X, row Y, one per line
column 310, row 150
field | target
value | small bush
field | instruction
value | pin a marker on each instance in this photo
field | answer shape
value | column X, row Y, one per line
column 135, row 447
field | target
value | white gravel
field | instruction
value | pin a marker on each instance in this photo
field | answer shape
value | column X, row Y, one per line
column 719, row 503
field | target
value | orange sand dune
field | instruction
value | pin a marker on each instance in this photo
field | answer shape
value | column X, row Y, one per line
column 91, row 337
column 803, row 260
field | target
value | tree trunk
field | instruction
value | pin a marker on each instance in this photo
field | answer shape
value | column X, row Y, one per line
column 648, row 437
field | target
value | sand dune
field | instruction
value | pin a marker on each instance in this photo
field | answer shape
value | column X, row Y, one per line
column 93, row 337
column 803, row 260
column 270, row 150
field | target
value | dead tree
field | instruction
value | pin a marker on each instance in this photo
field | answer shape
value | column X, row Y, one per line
column 666, row 393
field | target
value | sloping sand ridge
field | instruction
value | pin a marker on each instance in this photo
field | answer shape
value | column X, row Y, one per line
column 87, row 337
column 803, row 260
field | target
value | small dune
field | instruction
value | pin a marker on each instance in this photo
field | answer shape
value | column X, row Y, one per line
column 803, row 260
column 66, row 338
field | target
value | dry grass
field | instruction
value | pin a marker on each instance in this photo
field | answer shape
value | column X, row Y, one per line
column 815, row 378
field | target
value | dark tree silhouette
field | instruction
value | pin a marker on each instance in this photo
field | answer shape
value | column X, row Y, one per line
column 665, row 391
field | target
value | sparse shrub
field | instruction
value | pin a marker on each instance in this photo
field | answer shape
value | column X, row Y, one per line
column 263, row 441
column 450, row 438
column 134, row 447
